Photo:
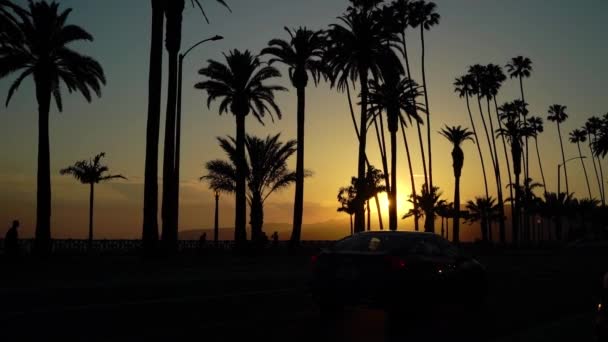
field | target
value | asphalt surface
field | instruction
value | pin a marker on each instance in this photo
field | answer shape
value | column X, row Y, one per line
column 265, row 299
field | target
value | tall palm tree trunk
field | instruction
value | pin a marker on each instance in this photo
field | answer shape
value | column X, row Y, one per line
column 150, row 224
column 173, row 42
column 428, row 111
column 43, row 195
column 561, row 144
column 540, row 165
column 240, row 234
column 426, row 179
column 392, row 194
column 483, row 166
column 369, row 216
column 91, row 197
column 352, row 115
column 499, row 195
column 504, row 146
column 256, row 217
column 298, row 207
column 580, row 153
column 410, row 166
column 359, row 203
column 422, row 154
column 597, row 175
column 456, row 224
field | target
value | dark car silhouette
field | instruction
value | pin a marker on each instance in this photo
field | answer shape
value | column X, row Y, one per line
column 396, row 271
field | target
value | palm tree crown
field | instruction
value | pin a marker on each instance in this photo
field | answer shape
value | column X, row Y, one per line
column 519, row 67
column 40, row 49
column 557, row 113
column 90, row 171
column 302, row 54
column 239, row 85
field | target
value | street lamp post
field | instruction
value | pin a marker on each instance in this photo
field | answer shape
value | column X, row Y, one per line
column 559, row 173
column 178, row 124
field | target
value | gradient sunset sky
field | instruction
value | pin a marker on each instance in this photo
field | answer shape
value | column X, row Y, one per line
column 566, row 40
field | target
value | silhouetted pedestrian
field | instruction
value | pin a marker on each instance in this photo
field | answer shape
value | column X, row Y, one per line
column 11, row 240
column 202, row 241
column 275, row 239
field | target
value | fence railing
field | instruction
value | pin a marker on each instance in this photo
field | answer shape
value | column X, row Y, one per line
column 124, row 246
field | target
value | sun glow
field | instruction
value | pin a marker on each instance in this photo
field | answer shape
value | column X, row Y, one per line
column 403, row 206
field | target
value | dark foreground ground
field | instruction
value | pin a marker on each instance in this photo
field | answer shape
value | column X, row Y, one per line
column 532, row 297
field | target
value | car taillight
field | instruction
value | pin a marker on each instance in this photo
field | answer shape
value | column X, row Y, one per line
column 396, row 263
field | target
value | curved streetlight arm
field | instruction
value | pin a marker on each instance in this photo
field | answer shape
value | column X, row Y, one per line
column 216, row 37
column 581, row 157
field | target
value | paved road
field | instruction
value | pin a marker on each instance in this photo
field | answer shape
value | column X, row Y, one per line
column 263, row 301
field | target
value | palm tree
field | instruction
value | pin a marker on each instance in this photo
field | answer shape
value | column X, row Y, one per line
column 429, row 203
column 373, row 186
column 513, row 131
column 557, row 114
column 90, row 172
column 170, row 206
column 464, row 87
column 302, row 54
column 592, row 127
column 403, row 13
column 266, row 173
column 554, row 207
column 173, row 36
column 520, row 67
column 578, row 136
column 354, row 48
column 150, row 224
column 485, row 210
column 346, row 197
column 39, row 48
column 483, row 87
column 395, row 96
column 457, row 135
column 424, row 15
column 535, row 125
column 240, row 85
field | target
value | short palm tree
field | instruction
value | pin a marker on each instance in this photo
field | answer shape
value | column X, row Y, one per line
column 483, row 210
column 239, row 84
column 429, row 203
column 346, row 197
column 302, row 55
column 578, row 136
column 457, row 135
column 39, row 48
column 355, row 46
column 557, row 114
column 266, row 173
column 90, row 172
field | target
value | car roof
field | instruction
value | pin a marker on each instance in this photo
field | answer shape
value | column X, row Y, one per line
column 408, row 234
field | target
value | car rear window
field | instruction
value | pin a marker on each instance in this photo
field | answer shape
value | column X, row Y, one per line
column 377, row 243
